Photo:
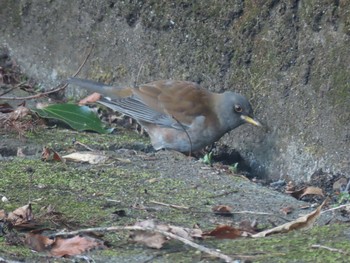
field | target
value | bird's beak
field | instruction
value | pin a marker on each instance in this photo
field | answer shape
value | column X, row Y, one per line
column 250, row 120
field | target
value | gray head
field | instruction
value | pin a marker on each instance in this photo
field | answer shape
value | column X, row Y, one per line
column 235, row 110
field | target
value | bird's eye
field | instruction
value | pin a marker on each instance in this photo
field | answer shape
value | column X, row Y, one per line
column 238, row 108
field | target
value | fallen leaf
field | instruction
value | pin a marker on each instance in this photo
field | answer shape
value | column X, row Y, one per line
column 249, row 227
column 45, row 154
column 224, row 210
column 51, row 155
column 290, row 187
column 74, row 246
column 57, row 157
column 224, row 232
column 152, row 240
column 303, row 222
column 20, row 152
column 310, row 190
column 287, row 210
column 6, row 108
column 340, row 184
column 2, row 214
column 87, row 157
column 156, row 239
column 38, row 242
column 21, row 215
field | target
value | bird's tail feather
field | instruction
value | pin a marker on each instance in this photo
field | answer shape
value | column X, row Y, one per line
column 105, row 90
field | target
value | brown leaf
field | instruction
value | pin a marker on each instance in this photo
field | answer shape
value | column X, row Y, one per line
column 222, row 210
column 224, row 232
column 287, row 210
column 300, row 223
column 2, row 214
column 247, row 226
column 310, row 190
column 152, row 240
column 38, row 242
column 149, row 239
column 185, row 232
column 57, row 157
column 90, row 99
column 155, row 239
column 51, row 155
column 290, row 187
column 6, row 108
column 74, row 246
column 340, row 184
column 45, row 154
column 21, row 215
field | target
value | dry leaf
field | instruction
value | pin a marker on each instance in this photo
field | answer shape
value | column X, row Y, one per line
column 340, row 184
column 310, row 190
column 287, row 210
column 223, row 210
column 20, row 152
column 87, row 157
column 45, row 154
column 90, row 99
column 290, row 187
column 300, row 223
column 155, row 239
column 74, row 246
column 21, row 215
column 2, row 214
column 57, row 157
column 224, row 232
column 38, row 242
column 249, row 227
column 152, row 240
column 6, row 108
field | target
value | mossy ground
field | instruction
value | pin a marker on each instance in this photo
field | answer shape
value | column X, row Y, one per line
column 90, row 196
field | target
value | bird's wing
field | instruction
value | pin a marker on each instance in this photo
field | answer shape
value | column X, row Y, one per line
column 135, row 108
column 166, row 102
column 183, row 101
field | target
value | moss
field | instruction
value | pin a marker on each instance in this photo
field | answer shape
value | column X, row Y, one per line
column 292, row 247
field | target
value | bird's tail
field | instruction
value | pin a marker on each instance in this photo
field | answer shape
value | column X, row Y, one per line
column 103, row 89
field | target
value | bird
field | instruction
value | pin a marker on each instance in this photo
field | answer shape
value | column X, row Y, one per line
column 177, row 115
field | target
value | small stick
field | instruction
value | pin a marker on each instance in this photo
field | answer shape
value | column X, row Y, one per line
column 335, row 208
column 39, row 95
column 85, row 146
column 209, row 251
column 169, row 205
column 330, row 249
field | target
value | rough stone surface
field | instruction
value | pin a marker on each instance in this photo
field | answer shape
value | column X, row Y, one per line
column 291, row 58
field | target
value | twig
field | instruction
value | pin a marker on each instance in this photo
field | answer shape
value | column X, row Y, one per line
column 330, row 249
column 84, row 145
column 59, row 88
column 169, row 205
column 138, row 228
column 252, row 213
column 12, row 88
column 336, row 208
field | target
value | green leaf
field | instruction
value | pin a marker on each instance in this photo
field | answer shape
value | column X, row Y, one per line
column 80, row 118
